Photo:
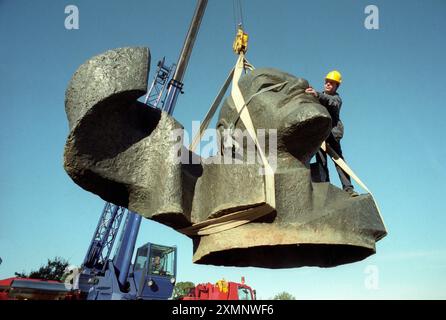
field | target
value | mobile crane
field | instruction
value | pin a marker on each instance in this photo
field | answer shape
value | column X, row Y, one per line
column 102, row 278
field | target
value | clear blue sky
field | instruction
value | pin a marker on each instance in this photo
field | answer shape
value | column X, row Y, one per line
column 393, row 111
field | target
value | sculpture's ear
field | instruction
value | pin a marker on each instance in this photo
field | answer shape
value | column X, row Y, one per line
column 118, row 147
column 225, row 138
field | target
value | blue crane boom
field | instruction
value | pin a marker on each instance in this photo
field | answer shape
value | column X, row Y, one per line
column 104, row 237
column 176, row 84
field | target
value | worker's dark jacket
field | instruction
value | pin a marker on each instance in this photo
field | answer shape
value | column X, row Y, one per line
column 333, row 104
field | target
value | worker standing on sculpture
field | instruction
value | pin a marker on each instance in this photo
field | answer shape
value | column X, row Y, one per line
column 331, row 100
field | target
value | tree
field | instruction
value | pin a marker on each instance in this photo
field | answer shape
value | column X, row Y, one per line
column 53, row 270
column 284, row 296
column 181, row 289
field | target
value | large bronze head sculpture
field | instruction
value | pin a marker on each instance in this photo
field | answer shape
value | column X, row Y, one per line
column 123, row 151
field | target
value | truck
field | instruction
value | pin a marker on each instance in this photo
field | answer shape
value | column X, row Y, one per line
column 35, row 289
column 221, row 290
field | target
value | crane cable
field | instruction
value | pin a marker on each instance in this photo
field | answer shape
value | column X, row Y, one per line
column 238, row 14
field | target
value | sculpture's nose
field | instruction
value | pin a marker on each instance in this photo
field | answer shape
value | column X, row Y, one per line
column 307, row 125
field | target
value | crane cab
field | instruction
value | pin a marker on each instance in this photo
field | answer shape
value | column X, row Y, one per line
column 154, row 271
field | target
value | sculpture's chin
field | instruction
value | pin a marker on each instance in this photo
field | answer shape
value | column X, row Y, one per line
column 297, row 255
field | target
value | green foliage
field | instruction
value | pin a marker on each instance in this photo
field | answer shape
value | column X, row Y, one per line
column 181, row 289
column 284, row 296
column 53, row 270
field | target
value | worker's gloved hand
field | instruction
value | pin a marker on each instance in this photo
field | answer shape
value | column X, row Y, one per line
column 310, row 90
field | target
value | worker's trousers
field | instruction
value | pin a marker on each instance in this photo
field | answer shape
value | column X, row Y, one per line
column 321, row 159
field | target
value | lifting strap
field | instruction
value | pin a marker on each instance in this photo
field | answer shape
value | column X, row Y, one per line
column 240, row 217
column 246, row 119
column 211, row 111
column 341, row 163
column 270, row 88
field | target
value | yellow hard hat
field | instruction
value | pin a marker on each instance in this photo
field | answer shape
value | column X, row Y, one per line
column 335, row 76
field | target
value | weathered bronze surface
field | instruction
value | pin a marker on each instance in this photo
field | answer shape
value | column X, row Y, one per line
column 123, row 151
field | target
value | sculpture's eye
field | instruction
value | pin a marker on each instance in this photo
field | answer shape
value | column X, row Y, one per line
column 266, row 85
column 295, row 89
column 264, row 81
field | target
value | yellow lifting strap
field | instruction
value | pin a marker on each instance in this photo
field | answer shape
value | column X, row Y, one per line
column 341, row 163
column 240, row 217
column 240, row 104
column 240, row 44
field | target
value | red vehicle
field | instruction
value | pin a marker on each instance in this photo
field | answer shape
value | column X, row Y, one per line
column 222, row 290
column 34, row 289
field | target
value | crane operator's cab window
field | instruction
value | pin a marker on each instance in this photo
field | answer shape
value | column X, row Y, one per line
column 142, row 258
column 162, row 260
column 244, row 294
